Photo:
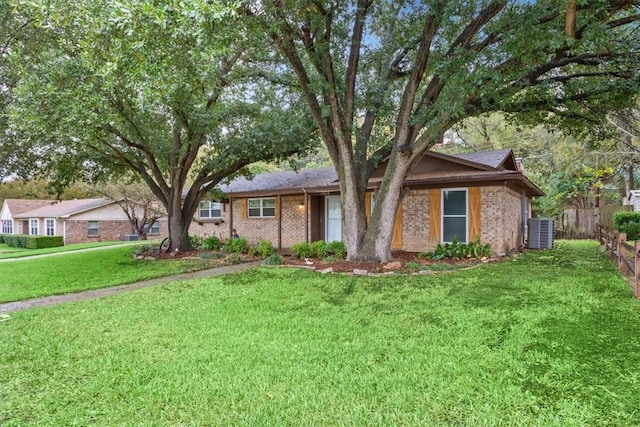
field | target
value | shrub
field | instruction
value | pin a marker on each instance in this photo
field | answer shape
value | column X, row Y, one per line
column 41, row 242
column 629, row 223
column 337, row 249
column 273, row 259
column 1, row 238
column 16, row 240
column 265, row 248
column 238, row 246
column 457, row 250
column 195, row 241
column 211, row 243
column 319, row 249
column 302, row 250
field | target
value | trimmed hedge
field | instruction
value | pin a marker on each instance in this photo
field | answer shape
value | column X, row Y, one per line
column 628, row 222
column 1, row 238
column 32, row 242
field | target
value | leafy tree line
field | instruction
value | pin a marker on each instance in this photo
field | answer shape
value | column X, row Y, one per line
column 156, row 89
column 192, row 92
column 386, row 80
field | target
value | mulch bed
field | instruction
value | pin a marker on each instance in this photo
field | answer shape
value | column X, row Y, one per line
column 398, row 264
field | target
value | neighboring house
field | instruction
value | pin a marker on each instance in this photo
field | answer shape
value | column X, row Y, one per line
column 482, row 194
column 634, row 200
column 78, row 221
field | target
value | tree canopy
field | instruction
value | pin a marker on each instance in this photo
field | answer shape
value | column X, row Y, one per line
column 161, row 89
column 386, row 80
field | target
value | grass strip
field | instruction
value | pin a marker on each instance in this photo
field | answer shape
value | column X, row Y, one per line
column 7, row 251
column 74, row 272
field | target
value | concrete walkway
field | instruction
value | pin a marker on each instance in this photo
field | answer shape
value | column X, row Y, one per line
column 98, row 293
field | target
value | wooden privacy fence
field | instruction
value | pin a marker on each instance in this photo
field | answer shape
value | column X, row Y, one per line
column 583, row 223
column 625, row 255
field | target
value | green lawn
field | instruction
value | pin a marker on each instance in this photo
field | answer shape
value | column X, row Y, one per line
column 7, row 251
column 73, row 272
column 549, row 339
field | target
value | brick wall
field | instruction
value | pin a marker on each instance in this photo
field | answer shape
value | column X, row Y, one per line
column 256, row 229
column 499, row 226
column 499, row 223
column 110, row 230
column 415, row 221
column 292, row 220
column 207, row 227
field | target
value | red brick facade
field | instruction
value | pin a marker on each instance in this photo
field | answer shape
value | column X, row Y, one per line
column 76, row 231
column 500, row 221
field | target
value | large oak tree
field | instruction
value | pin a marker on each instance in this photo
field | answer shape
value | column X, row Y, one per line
column 157, row 88
column 386, row 80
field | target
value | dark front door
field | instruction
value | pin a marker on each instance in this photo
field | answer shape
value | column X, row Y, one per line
column 316, row 218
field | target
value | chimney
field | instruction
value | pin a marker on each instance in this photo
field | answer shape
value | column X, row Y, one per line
column 520, row 164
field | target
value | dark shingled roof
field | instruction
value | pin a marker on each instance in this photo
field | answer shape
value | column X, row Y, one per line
column 493, row 158
column 306, row 178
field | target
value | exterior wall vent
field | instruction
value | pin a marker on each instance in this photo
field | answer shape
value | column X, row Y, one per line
column 540, row 233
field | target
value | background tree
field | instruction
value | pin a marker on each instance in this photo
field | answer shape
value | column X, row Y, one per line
column 137, row 201
column 386, row 80
column 158, row 89
column 39, row 189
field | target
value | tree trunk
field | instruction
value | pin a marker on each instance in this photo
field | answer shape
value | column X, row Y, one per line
column 375, row 244
column 628, row 180
column 179, row 221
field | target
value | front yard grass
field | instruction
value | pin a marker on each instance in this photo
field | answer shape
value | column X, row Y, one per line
column 549, row 339
column 74, row 272
column 7, row 251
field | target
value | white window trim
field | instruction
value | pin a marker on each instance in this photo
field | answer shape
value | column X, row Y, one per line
column 466, row 215
column 211, row 203
column 262, row 208
column 7, row 226
column 46, row 229
column 93, row 235
column 37, row 227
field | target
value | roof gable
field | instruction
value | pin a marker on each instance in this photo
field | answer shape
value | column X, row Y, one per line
column 16, row 207
column 65, row 208
column 498, row 159
column 434, row 163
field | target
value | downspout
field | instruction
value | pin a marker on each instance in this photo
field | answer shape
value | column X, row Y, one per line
column 306, row 215
column 230, row 217
column 524, row 215
column 279, row 213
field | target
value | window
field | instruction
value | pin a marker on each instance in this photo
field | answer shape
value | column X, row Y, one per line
column 50, row 227
column 33, row 227
column 264, row 208
column 93, row 228
column 210, row 209
column 155, row 228
column 454, row 215
column 7, row 226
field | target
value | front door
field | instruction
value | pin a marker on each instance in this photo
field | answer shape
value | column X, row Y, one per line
column 334, row 219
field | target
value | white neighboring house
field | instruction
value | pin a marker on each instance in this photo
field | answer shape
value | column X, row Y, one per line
column 77, row 221
column 634, row 199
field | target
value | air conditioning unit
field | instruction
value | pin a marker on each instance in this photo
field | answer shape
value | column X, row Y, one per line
column 130, row 237
column 540, row 233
